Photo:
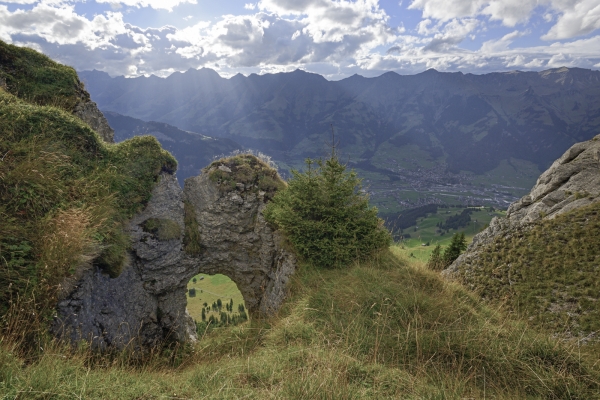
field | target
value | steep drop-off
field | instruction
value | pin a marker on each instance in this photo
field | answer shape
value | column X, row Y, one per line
column 193, row 151
column 35, row 78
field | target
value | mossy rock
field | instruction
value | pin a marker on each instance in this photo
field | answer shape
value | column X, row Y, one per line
column 54, row 163
column 245, row 172
column 191, row 239
column 163, row 229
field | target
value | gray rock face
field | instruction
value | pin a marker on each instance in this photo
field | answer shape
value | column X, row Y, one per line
column 239, row 243
column 571, row 182
column 89, row 113
column 146, row 304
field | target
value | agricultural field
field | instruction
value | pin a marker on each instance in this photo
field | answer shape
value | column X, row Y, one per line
column 209, row 289
column 426, row 231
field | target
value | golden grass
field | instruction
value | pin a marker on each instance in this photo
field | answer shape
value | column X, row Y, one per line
column 383, row 329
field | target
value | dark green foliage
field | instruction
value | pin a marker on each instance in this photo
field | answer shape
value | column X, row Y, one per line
column 548, row 273
column 458, row 221
column 456, row 247
column 326, row 217
column 192, row 292
column 408, row 218
column 35, row 78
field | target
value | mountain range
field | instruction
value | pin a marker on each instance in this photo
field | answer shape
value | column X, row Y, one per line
column 416, row 139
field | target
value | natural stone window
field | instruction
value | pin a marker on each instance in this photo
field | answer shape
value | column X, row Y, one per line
column 211, row 227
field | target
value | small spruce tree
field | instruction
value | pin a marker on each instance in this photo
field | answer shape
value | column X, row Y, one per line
column 457, row 246
column 326, row 216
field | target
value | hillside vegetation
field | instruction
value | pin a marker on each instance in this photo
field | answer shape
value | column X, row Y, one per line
column 381, row 329
column 547, row 273
column 64, row 194
column 37, row 79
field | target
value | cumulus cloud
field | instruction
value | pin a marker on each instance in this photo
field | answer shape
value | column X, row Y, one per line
column 333, row 37
column 577, row 18
column 156, row 4
column 60, row 25
column 573, row 17
column 453, row 33
column 496, row 45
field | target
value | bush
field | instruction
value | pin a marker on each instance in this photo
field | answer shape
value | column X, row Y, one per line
column 325, row 215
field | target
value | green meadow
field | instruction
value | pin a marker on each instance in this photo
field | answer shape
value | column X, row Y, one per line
column 426, row 231
column 209, row 289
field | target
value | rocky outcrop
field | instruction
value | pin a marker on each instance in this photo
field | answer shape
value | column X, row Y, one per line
column 146, row 303
column 237, row 241
column 88, row 112
column 571, row 182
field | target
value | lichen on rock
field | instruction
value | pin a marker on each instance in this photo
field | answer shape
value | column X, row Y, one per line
column 245, row 173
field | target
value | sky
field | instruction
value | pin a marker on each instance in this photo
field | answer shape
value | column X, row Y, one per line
column 334, row 38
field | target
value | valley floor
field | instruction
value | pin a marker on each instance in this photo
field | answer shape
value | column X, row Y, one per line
column 387, row 328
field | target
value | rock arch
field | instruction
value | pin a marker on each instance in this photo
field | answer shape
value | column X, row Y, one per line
column 146, row 304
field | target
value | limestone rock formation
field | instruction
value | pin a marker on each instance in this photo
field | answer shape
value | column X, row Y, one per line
column 88, row 112
column 571, row 182
column 146, row 304
column 236, row 241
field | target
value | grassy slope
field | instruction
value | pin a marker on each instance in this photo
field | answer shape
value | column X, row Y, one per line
column 384, row 329
column 37, row 79
column 548, row 274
